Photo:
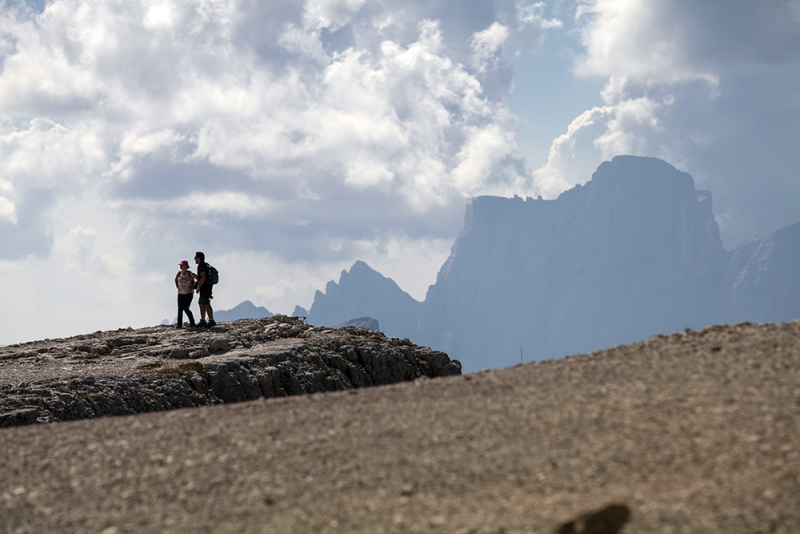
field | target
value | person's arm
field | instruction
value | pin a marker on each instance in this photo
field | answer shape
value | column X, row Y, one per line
column 201, row 279
column 176, row 280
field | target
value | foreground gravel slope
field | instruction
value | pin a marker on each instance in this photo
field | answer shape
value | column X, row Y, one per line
column 697, row 432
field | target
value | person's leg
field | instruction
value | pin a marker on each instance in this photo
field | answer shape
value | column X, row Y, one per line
column 180, row 311
column 202, row 301
column 205, row 306
column 184, row 303
column 189, row 314
column 209, row 309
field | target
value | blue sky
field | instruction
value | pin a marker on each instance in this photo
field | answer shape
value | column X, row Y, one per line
column 288, row 139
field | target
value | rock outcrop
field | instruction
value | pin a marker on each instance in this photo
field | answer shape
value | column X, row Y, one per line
column 161, row 368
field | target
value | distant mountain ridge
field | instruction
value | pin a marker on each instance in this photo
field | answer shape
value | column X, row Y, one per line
column 364, row 292
column 244, row 310
column 633, row 252
column 763, row 278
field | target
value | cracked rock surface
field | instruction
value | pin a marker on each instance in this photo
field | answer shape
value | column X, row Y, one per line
column 161, row 368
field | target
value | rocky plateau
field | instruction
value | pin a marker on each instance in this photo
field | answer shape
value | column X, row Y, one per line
column 130, row 371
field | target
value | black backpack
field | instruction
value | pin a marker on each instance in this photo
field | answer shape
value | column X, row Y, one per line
column 213, row 275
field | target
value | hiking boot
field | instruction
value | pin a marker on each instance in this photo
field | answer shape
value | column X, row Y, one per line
column 192, row 325
column 212, row 322
column 179, row 325
column 202, row 323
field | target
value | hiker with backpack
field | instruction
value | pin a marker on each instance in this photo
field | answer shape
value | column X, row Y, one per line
column 184, row 281
column 206, row 278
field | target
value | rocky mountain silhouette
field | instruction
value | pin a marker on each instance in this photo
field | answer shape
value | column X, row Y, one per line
column 243, row 310
column 633, row 252
column 762, row 282
column 364, row 292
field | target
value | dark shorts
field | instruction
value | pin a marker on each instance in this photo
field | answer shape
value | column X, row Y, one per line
column 205, row 295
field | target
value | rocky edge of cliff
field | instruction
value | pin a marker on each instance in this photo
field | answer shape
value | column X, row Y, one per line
column 162, row 368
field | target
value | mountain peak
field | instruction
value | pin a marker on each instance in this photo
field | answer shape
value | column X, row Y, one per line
column 362, row 292
column 634, row 251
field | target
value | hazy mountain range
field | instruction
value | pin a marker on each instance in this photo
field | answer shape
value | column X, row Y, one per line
column 633, row 252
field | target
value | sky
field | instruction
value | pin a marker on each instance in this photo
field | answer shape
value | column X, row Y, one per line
column 288, row 139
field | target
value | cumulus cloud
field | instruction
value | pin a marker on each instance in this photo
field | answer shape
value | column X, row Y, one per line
column 114, row 88
column 712, row 90
column 533, row 14
column 485, row 46
column 292, row 131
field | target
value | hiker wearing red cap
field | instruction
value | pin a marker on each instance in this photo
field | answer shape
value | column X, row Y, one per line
column 185, row 281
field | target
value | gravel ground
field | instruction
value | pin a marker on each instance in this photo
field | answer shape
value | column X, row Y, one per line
column 694, row 432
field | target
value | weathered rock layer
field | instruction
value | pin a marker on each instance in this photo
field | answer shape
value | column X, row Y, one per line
column 161, row 368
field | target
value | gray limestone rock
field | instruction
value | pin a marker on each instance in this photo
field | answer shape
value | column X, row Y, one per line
column 162, row 368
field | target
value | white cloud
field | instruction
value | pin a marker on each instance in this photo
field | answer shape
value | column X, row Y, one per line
column 228, row 203
column 573, row 156
column 485, row 46
column 7, row 209
column 369, row 118
column 533, row 14
column 331, row 14
column 301, row 133
column 483, row 151
column 159, row 15
column 669, row 41
column 48, row 154
column 700, row 86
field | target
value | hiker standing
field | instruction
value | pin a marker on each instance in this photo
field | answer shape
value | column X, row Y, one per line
column 184, row 281
column 204, row 288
